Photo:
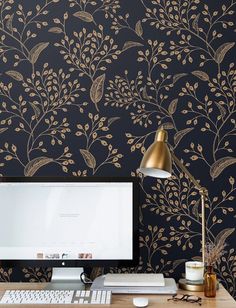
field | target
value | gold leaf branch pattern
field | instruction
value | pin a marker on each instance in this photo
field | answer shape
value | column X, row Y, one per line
column 175, row 199
column 89, row 53
column 98, row 132
column 196, row 32
column 90, row 8
column 37, row 274
column 46, row 94
column 18, row 27
column 5, row 275
column 215, row 112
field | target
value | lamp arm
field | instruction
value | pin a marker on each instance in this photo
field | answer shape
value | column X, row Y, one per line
column 203, row 193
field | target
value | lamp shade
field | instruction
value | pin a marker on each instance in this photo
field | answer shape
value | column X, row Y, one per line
column 157, row 160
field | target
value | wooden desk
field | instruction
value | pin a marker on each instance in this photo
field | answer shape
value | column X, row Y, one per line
column 222, row 300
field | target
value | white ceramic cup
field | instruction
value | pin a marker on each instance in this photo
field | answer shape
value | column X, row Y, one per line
column 194, row 270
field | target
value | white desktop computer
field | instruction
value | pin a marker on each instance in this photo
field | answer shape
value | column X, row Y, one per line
column 68, row 223
column 71, row 223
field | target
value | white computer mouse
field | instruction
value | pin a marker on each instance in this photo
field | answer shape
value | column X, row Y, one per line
column 140, row 301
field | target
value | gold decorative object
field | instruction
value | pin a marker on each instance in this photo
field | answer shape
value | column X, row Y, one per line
column 157, row 162
column 188, row 286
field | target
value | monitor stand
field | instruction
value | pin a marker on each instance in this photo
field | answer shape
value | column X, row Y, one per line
column 66, row 279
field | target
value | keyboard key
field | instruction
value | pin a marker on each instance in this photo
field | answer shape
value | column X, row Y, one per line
column 77, row 294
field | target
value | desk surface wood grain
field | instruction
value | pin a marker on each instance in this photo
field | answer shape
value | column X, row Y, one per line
column 222, row 300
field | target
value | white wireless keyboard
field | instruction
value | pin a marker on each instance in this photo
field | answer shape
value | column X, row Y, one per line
column 56, row 297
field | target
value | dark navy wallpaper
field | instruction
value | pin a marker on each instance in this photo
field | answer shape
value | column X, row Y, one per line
column 84, row 85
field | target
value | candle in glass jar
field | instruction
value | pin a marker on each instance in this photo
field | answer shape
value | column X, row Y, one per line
column 194, row 270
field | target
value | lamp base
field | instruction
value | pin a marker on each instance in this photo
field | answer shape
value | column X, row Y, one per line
column 190, row 286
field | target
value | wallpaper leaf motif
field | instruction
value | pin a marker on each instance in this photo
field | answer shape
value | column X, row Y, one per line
column 131, row 44
column 139, row 28
column 222, row 50
column 220, row 165
column 88, row 158
column 35, row 164
column 96, row 90
column 85, row 16
column 173, row 105
column 3, row 129
column 180, row 134
column 222, row 236
column 15, row 75
column 84, row 85
column 35, row 52
column 201, row 75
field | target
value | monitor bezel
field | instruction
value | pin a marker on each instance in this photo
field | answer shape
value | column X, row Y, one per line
column 82, row 263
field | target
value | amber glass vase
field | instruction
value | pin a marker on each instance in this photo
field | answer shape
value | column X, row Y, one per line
column 210, row 282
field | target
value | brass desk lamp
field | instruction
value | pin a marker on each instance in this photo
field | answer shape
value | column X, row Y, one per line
column 157, row 162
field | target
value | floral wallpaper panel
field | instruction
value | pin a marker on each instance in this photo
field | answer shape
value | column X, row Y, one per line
column 84, row 85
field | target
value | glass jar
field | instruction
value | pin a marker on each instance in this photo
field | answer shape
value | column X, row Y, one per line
column 210, row 282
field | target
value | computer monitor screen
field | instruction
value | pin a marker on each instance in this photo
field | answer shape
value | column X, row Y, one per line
column 77, row 222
